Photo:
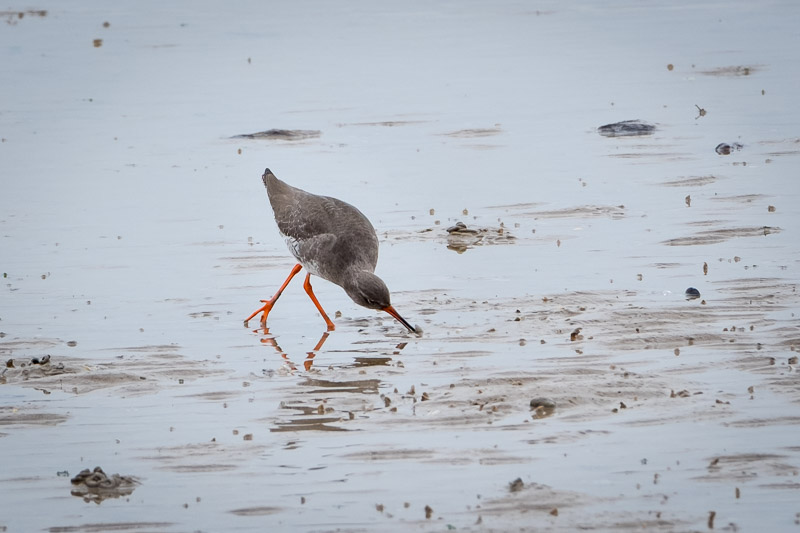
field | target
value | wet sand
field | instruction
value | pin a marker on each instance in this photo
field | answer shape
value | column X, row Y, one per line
column 136, row 236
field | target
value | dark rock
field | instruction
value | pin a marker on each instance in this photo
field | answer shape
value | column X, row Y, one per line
column 626, row 128
column 692, row 293
column 726, row 149
column 544, row 403
column 96, row 486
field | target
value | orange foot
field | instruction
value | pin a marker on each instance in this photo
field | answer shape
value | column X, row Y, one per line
column 269, row 303
column 266, row 308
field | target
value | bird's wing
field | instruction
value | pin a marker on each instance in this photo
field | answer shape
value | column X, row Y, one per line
column 300, row 220
column 315, row 226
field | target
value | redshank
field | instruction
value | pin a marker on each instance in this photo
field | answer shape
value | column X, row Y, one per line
column 332, row 240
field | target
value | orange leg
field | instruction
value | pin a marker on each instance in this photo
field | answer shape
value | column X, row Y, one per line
column 269, row 303
column 307, row 287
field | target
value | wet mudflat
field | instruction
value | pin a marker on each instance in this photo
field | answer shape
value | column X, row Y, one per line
column 563, row 381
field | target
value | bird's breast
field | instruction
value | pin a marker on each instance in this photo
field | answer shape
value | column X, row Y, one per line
column 308, row 263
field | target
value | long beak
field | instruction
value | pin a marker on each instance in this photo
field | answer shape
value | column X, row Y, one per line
column 391, row 311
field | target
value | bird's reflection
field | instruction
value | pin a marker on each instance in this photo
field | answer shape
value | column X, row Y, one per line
column 268, row 338
column 384, row 359
column 327, row 399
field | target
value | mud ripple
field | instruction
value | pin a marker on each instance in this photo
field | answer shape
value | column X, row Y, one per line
column 693, row 181
column 721, row 235
column 732, row 71
column 135, row 374
column 203, row 457
column 585, row 211
column 386, row 123
column 102, row 527
column 281, row 135
column 212, row 467
column 535, row 497
column 474, row 133
column 746, row 466
column 256, row 511
column 14, row 416
column 13, row 17
column 763, row 422
column 392, row 455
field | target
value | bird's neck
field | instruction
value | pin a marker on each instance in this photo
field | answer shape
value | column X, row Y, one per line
column 354, row 275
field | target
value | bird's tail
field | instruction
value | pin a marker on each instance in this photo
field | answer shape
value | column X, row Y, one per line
column 267, row 177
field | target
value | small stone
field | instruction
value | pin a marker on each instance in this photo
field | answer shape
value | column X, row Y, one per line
column 43, row 361
column 544, row 403
column 726, row 149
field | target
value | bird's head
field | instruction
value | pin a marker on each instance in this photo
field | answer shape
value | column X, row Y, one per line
column 368, row 290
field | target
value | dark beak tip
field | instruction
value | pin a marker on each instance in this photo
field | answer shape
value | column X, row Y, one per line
column 400, row 319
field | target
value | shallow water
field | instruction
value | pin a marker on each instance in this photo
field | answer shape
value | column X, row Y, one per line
column 135, row 235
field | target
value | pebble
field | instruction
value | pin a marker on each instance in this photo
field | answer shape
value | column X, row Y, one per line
column 544, row 403
column 692, row 293
column 726, row 149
